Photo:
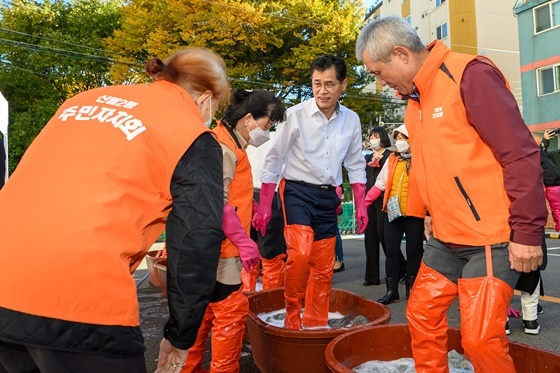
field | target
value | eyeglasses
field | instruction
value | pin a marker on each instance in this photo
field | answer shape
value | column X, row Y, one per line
column 329, row 86
column 269, row 124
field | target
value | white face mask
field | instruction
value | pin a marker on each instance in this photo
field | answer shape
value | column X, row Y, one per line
column 209, row 121
column 258, row 136
column 401, row 145
column 375, row 144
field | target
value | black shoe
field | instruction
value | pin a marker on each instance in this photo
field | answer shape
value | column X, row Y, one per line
column 390, row 297
column 508, row 332
column 339, row 269
column 392, row 291
column 531, row 327
column 369, row 283
column 540, row 310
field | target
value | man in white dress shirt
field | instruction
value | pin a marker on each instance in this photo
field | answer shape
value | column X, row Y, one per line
column 319, row 136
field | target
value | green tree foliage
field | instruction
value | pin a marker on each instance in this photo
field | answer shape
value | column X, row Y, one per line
column 53, row 49
column 266, row 43
column 49, row 51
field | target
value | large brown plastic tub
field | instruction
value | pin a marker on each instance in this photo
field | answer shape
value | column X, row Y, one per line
column 391, row 342
column 280, row 350
column 161, row 266
column 151, row 258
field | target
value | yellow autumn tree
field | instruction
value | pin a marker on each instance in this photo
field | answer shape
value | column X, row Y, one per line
column 266, row 44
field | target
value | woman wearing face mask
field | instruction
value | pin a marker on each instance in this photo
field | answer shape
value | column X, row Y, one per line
column 246, row 120
column 405, row 215
column 374, row 234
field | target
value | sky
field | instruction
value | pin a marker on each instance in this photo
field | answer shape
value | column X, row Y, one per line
column 369, row 3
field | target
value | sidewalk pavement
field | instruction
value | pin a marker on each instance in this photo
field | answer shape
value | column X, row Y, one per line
column 153, row 307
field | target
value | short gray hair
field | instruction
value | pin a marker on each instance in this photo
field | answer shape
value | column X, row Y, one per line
column 379, row 37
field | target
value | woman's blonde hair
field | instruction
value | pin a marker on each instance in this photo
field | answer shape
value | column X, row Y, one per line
column 195, row 69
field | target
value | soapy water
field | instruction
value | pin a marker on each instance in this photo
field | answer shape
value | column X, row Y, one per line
column 336, row 320
column 457, row 364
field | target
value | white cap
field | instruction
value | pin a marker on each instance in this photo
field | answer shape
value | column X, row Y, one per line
column 401, row 129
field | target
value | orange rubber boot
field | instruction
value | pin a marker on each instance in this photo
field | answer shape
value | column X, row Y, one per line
column 193, row 364
column 273, row 272
column 227, row 332
column 484, row 302
column 249, row 279
column 299, row 243
column 427, row 319
column 316, row 311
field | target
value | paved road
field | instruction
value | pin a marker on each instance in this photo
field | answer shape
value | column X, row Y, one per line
column 154, row 307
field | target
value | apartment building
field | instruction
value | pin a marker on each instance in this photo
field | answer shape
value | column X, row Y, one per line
column 539, row 36
column 484, row 27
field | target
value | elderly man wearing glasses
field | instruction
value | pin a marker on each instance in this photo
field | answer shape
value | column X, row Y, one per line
column 307, row 153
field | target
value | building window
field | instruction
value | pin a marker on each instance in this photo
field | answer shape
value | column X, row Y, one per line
column 546, row 16
column 439, row 2
column 548, row 80
column 442, row 31
column 408, row 20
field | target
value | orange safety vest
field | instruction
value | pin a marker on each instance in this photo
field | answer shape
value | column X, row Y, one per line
column 409, row 199
column 240, row 190
column 89, row 198
column 458, row 177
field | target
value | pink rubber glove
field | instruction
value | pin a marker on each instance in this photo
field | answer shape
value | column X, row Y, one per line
column 248, row 249
column 359, row 191
column 553, row 197
column 512, row 312
column 263, row 215
column 372, row 195
column 339, row 194
column 255, row 208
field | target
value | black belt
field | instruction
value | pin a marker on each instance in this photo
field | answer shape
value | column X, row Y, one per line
column 456, row 246
column 320, row 187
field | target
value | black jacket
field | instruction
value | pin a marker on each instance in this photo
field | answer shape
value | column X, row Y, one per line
column 371, row 171
column 551, row 172
column 553, row 154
